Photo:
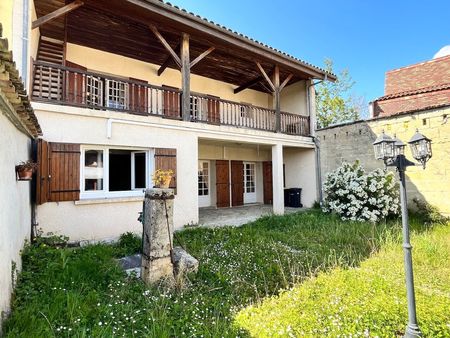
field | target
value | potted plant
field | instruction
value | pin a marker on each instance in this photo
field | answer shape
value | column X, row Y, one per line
column 25, row 170
column 161, row 178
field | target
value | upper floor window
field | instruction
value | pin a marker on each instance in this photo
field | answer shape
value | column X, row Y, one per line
column 116, row 94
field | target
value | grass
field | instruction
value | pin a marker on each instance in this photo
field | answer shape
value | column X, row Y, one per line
column 80, row 292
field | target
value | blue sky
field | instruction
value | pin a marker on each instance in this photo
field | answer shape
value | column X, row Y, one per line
column 366, row 37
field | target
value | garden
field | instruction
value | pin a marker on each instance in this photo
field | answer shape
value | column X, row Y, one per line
column 334, row 272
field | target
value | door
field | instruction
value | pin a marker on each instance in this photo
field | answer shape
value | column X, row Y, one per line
column 249, row 182
column 223, row 184
column 204, row 183
column 237, row 183
column 75, row 89
column 267, row 182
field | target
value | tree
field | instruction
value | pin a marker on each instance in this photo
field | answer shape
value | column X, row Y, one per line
column 334, row 104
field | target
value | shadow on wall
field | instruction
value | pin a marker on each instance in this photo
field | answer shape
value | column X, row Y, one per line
column 353, row 141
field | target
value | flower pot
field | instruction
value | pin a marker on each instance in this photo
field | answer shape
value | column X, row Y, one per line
column 25, row 174
column 165, row 183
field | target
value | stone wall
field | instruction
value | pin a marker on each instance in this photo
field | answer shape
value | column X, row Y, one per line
column 353, row 141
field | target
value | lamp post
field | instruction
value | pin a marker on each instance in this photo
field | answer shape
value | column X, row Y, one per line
column 392, row 152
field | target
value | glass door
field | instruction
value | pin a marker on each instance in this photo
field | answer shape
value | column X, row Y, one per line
column 249, row 182
column 204, row 191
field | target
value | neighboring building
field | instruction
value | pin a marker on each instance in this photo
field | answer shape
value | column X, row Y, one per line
column 416, row 97
column 123, row 88
column 18, row 127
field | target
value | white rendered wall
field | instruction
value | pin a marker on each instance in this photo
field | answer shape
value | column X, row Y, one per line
column 15, row 208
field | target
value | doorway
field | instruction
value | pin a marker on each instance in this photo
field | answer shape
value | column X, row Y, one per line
column 249, row 182
column 204, row 183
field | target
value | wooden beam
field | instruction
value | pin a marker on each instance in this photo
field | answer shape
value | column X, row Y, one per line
column 276, row 84
column 202, row 55
column 266, row 76
column 185, row 78
column 166, row 45
column 56, row 14
column 285, row 82
column 168, row 60
column 248, row 84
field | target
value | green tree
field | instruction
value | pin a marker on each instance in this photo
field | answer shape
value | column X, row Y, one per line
column 334, row 103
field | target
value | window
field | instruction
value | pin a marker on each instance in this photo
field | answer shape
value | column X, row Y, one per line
column 94, row 94
column 93, row 170
column 110, row 172
column 245, row 110
column 203, row 178
column 116, row 94
column 195, row 107
column 249, row 177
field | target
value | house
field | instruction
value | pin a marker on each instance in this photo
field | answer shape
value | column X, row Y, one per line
column 18, row 127
column 416, row 97
column 122, row 88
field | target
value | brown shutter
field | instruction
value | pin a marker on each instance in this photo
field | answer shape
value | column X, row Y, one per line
column 267, row 182
column 223, row 184
column 237, row 183
column 166, row 159
column 213, row 109
column 42, row 172
column 75, row 87
column 58, row 175
column 137, row 97
column 171, row 103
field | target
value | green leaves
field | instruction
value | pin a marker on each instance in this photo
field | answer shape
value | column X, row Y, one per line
column 334, row 104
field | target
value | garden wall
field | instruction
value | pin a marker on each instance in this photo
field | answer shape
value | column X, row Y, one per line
column 353, row 141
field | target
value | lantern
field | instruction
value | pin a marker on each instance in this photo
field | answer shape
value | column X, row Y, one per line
column 420, row 147
column 399, row 146
column 384, row 147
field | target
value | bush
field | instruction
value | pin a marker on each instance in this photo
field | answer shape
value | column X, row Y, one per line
column 359, row 196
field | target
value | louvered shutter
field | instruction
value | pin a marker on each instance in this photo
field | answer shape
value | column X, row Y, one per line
column 166, row 159
column 171, row 102
column 59, row 172
column 75, row 89
column 137, row 97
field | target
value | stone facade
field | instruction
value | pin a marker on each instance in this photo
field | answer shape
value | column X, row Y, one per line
column 353, row 141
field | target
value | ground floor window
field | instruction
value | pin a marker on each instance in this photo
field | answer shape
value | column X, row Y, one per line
column 109, row 172
column 249, row 177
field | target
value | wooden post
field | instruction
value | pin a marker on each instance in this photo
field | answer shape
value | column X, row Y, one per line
column 276, row 84
column 185, row 77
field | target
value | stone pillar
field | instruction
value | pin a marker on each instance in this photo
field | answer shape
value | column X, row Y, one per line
column 158, row 239
column 277, row 179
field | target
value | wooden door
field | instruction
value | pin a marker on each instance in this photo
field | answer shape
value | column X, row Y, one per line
column 213, row 110
column 267, row 182
column 137, row 97
column 237, row 183
column 223, row 184
column 75, row 90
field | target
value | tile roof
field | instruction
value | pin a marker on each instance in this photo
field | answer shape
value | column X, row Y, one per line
column 13, row 89
column 415, row 92
column 249, row 39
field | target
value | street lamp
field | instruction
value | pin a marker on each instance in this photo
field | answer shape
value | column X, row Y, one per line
column 392, row 152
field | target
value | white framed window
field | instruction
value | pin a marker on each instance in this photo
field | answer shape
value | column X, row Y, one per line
column 204, row 183
column 115, row 172
column 94, row 93
column 249, row 182
column 116, row 94
column 195, row 107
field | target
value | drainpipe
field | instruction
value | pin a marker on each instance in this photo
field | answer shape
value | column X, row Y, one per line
column 25, row 42
column 315, row 139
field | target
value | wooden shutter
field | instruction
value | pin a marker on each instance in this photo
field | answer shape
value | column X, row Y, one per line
column 223, row 184
column 213, row 109
column 59, row 172
column 166, row 159
column 267, row 182
column 137, row 97
column 171, row 103
column 237, row 183
column 42, row 173
column 75, row 88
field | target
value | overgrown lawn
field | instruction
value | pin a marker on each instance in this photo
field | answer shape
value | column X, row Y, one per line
column 81, row 292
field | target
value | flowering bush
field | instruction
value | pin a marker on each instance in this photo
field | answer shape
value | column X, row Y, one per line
column 359, row 196
column 161, row 177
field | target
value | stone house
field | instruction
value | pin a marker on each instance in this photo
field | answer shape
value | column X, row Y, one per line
column 123, row 88
column 416, row 97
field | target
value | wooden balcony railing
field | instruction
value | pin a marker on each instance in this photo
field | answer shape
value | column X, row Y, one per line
column 70, row 86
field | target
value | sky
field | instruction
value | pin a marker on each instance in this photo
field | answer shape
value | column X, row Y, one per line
column 367, row 37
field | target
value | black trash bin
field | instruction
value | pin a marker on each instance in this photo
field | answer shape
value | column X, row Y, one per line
column 294, row 198
column 286, row 197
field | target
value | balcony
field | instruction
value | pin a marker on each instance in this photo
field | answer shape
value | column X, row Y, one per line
column 62, row 85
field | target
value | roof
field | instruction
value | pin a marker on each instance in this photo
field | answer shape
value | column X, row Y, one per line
column 12, row 90
column 415, row 92
column 122, row 27
column 238, row 35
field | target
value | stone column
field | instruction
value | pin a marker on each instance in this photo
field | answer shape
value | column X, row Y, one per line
column 158, row 239
column 277, row 179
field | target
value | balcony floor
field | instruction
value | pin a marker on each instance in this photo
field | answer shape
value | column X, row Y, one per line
column 237, row 216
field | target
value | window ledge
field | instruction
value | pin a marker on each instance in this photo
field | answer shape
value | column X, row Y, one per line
column 107, row 200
